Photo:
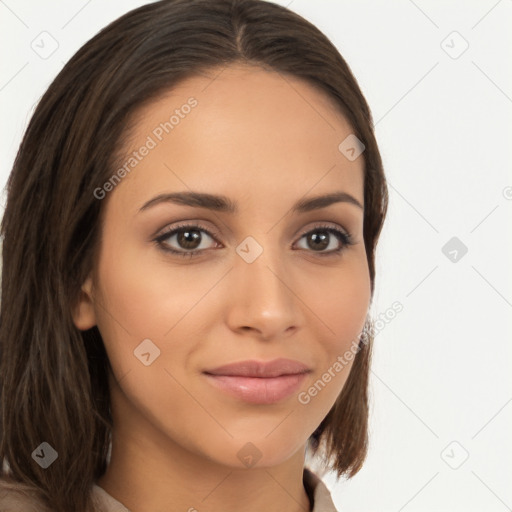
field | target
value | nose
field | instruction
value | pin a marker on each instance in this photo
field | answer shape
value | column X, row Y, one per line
column 262, row 298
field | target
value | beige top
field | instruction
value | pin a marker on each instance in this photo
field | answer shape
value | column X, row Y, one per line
column 12, row 501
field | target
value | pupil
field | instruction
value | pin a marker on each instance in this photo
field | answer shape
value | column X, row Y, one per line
column 323, row 239
column 188, row 238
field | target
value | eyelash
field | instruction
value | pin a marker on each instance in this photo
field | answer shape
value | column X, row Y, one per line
column 344, row 237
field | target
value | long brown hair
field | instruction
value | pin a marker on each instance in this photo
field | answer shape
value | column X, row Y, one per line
column 53, row 377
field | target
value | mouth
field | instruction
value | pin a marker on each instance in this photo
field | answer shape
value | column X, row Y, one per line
column 259, row 383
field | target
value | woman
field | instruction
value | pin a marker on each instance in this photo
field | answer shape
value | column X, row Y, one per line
column 188, row 266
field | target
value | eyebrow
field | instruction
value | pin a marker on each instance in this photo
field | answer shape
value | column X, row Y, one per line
column 222, row 203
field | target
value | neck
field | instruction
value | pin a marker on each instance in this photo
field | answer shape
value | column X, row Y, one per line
column 153, row 473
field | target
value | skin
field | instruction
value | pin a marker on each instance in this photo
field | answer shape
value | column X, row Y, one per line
column 265, row 142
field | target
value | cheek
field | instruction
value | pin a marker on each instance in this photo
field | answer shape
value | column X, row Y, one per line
column 142, row 295
column 342, row 307
column 342, row 304
column 138, row 303
column 350, row 311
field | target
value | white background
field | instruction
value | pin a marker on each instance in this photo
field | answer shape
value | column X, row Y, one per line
column 441, row 380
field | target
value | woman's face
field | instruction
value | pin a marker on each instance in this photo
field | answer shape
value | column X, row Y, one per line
column 265, row 281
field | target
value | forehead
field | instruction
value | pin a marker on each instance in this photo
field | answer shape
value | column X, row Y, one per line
column 243, row 131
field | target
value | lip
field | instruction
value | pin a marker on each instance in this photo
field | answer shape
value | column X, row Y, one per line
column 259, row 382
column 274, row 368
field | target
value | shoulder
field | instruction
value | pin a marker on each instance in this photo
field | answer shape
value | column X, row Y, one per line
column 19, row 497
column 104, row 501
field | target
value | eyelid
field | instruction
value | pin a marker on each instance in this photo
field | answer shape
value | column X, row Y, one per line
column 324, row 225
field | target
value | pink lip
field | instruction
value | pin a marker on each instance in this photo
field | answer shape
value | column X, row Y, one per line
column 273, row 368
column 259, row 383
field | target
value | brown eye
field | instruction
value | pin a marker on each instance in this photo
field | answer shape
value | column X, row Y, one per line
column 326, row 240
column 186, row 240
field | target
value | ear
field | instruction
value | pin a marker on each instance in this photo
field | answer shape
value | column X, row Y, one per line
column 84, row 314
